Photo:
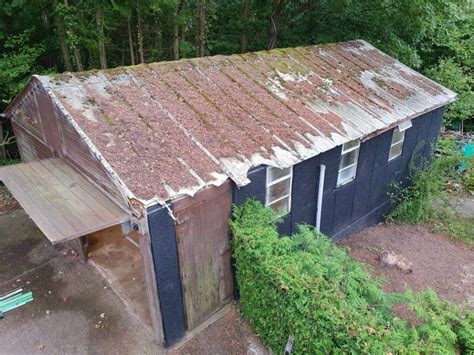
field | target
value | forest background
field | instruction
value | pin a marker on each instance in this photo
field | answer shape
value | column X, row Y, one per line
column 435, row 37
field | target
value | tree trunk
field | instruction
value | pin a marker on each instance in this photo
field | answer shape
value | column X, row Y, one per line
column 201, row 25
column 176, row 25
column 140, row 36
column 130, row 41
column 245, row 12
column 3, row 152
column 277, row 8
column 100, row 33
column 62, row 39
column 77, row 57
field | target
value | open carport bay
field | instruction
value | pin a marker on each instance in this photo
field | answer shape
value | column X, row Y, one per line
column 73, row 310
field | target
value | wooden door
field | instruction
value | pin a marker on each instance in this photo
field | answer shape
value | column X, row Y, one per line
column 202, row 232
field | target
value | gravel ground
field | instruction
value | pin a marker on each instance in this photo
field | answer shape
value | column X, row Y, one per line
column 437, row 262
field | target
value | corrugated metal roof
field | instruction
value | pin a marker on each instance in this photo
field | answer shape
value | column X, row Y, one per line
column 171, row 128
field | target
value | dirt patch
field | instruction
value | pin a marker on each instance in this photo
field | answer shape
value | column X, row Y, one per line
column 437, row 262
column 7, row 201
column 228, row 335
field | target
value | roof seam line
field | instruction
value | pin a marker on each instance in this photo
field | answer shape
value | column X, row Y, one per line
column 181, row 127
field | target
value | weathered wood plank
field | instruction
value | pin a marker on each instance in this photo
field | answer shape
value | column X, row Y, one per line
column 204, row 252
column 67, row 174
column 62, row 203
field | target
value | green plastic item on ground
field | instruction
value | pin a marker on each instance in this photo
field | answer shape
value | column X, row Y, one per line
column 14, row 300
column 468, row 152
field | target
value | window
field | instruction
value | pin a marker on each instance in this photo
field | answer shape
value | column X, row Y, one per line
column 348, row 164
column 398, row 137
column 278, row 193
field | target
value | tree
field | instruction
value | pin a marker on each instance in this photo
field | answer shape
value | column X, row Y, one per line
column 275, row 18
column 244, row 17
column 176, row 28
column 200, row 27
column 99, row 13
column 62, row 36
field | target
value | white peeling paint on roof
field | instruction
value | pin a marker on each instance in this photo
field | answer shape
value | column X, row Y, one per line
column 317, row 109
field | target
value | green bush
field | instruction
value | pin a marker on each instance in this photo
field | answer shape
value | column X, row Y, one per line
column 306, row 287
column 452, row 75
column 414, row 203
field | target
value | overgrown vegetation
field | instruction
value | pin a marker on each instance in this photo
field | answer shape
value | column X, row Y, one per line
column 425, row 200
column 306, row 287
column 435, row 37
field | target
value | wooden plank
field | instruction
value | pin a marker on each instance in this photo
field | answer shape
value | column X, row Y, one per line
column 82, row 189
column 15, row 183
column 204, row 252
column 151, row 288
column 56, row 194
column 64, row 206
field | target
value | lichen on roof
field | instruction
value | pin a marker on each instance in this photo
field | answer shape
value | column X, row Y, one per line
column 172, row 128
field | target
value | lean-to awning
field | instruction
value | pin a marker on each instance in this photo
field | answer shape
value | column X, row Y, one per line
column 62, row 203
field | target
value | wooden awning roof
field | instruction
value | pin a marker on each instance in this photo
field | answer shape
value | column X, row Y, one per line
column 62, row 203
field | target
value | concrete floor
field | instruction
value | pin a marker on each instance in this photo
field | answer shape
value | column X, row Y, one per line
column 73, row 312
column 121, row 264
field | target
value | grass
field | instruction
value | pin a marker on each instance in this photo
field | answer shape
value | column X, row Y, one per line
column 453, row 224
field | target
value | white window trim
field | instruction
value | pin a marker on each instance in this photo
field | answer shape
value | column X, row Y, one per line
column 402, row 140
column 350, row 149
column 404, row 126
column 344, row 152
column 269, row 184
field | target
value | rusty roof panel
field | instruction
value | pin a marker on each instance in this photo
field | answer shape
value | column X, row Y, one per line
column 172, row 128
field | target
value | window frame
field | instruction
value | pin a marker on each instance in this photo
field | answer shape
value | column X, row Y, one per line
column 269, row 184
column 402, row 128
column 344, row 152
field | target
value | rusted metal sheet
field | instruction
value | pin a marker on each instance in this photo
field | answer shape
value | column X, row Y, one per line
column 202, row 232
column 29, row 146
column 169, row 129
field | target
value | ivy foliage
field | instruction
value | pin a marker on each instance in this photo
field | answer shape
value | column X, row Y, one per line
column 306, row 287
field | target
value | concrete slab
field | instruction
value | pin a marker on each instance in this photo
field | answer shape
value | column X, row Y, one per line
column 73, row 311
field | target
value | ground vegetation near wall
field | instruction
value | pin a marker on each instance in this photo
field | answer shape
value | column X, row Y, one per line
column 433, row 189
column 306, row 287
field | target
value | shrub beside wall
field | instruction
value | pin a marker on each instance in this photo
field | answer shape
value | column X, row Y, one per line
column 306, row 287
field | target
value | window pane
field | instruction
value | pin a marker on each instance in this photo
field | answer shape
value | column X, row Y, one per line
column 281, row 207
column 346, row 175
column 275, row 173
column 397, row 136
column 278, row 190
column 348, row 159
column 350, row 145
column 395, row 150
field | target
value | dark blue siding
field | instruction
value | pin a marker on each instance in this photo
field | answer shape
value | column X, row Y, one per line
column 165, row 255
column 361, row 202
